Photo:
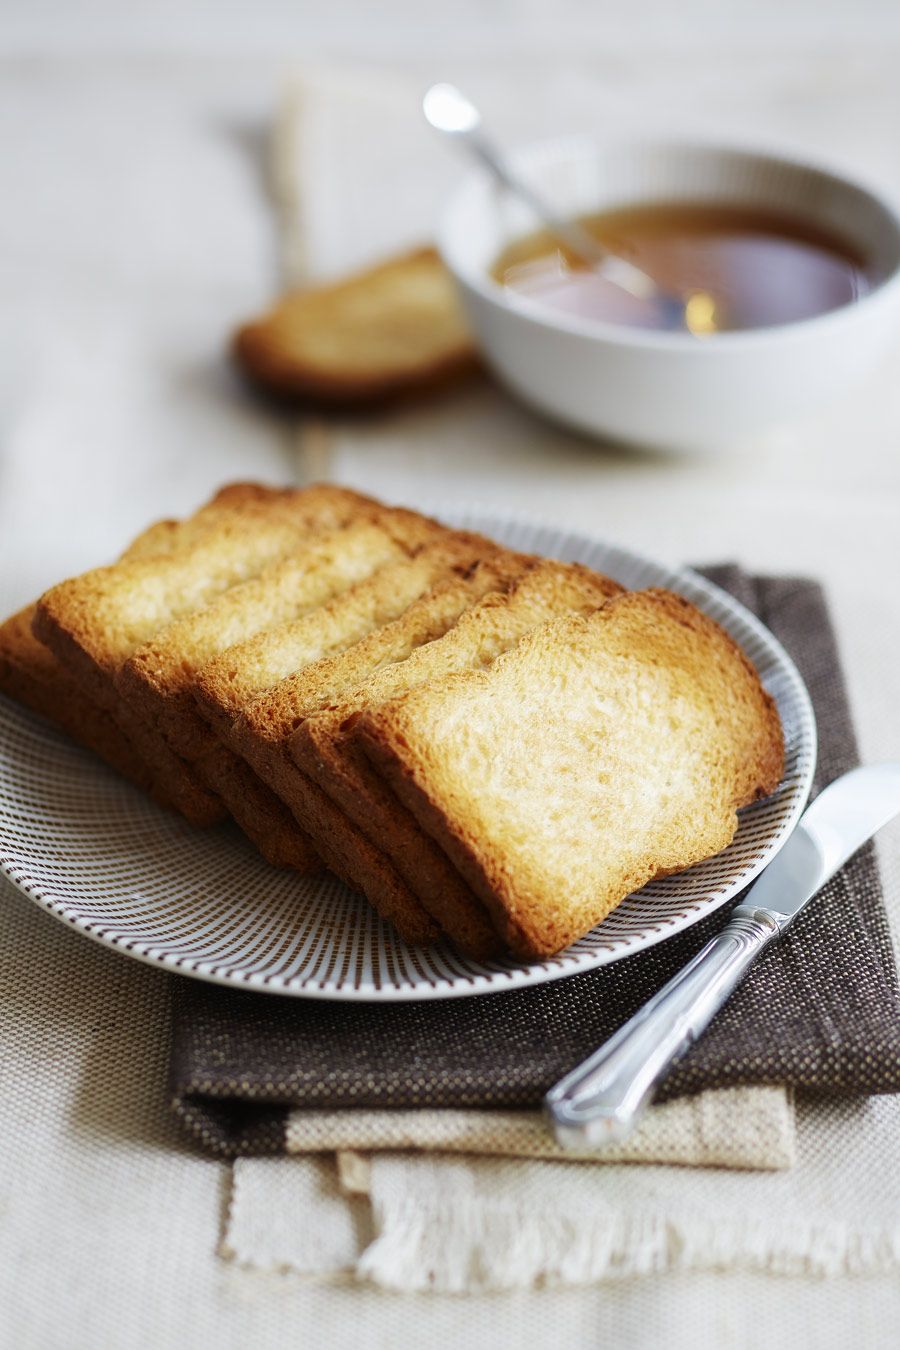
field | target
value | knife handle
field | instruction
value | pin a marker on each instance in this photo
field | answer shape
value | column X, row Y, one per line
column 601, row 1100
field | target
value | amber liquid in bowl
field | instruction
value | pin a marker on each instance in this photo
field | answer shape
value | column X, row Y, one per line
column 760, row 267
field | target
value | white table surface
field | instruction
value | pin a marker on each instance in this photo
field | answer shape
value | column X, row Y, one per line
column 134, row 232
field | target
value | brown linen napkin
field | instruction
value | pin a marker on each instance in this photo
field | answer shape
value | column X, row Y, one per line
column 820, row 1010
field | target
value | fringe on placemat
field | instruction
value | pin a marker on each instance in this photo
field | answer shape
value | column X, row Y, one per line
column 481, row 1248
column 323, row 1221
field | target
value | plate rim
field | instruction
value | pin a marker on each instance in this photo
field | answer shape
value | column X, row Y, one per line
column 518, row 976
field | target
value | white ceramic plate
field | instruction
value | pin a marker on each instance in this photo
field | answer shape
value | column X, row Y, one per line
column 100, row 856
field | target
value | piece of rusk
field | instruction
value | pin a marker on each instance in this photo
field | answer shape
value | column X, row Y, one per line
column 227, row 684
column 392, row 329
column 596, row 754
column 325, row 748
column 343, row 620
column 262, row 731
column 258, row 812
column 235, row 677
column 97, row 620
column 158, row 678
column 31, row 674
column 94, row 622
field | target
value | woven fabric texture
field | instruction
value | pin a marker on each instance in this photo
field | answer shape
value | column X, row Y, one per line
column 749, row 1128
column 820, row 1010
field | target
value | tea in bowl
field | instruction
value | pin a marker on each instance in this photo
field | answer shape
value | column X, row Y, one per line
column 790, row 276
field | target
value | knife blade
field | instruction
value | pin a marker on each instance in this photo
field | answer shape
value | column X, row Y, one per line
column 601, row 1100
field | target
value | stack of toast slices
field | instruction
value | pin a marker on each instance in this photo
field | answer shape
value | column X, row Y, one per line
column 492, row 747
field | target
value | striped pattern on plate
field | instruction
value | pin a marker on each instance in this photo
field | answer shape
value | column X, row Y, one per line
column 99, row 855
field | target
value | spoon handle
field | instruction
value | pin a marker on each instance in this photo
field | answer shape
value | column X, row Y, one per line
column 576, row 238
column 573, row 235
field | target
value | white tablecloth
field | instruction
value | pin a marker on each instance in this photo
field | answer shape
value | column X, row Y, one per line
column 135, row 232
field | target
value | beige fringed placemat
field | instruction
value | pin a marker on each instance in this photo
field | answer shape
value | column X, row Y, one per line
column 734, row 1127
column 470, row 1225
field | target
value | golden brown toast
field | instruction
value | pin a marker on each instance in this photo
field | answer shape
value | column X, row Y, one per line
column 365, row 612
column 596, row 754
column 266, row 664
column 392, row 329
column 158, row 677
column 262, row 816
column 262, row 732
column 31, row 674
column 95, row 622
column 280, row 650
column 325, row 748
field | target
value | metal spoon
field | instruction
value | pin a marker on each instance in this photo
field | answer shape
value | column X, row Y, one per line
column 449, row 111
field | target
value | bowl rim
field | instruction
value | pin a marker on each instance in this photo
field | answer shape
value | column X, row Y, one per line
column 586, row 145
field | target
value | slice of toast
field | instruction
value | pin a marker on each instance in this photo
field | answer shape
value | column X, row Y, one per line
column 280, row 651
column 596, row 754
column 393, row 329
column 96, row 621
column 263, row 728
column 158, row 677
column 262, row 816
column 346, row 851
column 93, row 623
column 325, row 747
column 227, row 684
column 31, row 674
column 261, row 733
column 231, row 681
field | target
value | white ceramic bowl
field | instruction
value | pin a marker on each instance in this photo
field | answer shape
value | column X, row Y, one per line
column 670, row 390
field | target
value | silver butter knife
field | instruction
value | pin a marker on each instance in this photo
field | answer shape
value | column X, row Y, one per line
column 601, row 1100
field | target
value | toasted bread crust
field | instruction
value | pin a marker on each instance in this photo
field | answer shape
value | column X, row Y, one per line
column 361, row 866
column 333, row 627
column 391, row 330
column 94, row 622
column 262, row 816
column 159, row 676
column 272, row 717
column 654, row 690
column 260, row 733
column 31, row 674
column 227, row 685
column 325, row 748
